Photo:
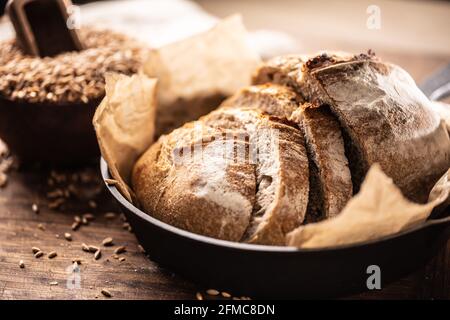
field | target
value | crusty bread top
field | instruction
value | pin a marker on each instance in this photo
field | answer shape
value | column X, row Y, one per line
column 210, row 192
column 284, row 70
column 386, row 116
column 258, row 195
column 390, row 120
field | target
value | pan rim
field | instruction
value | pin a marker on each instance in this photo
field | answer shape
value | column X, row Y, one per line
column 245, row 246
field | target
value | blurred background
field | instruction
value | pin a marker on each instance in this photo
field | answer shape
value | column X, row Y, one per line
column 414, row 34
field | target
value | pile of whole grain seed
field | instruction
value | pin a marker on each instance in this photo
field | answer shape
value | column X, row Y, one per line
column 72, row 77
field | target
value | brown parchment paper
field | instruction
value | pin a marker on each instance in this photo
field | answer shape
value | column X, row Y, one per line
column 196, row 74
column 218, row 60
column 441, row 190
column 378, row 210
column 125, row 124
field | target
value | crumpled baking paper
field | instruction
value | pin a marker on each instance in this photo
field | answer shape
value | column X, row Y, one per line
column 379, row 209
column 125, row 124
column 219, row 60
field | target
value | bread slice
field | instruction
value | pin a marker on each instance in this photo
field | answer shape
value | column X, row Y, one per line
column 282, row 178
column 281, row 171
column 329, row 176
column 385, row 118
column 330, row 179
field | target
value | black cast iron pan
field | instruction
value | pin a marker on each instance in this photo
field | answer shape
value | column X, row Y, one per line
column 285, row 272
column 282, row 272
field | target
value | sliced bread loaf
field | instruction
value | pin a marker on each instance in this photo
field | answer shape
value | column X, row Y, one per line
column 235, row 174
column 330, row 185
column 385, row 118
column 281, row 169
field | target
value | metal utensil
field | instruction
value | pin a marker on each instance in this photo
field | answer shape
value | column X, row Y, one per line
column 437, row 86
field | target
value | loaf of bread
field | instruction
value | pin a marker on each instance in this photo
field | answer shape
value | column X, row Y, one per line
column 293, row 148
column 384, row 117
column 196, row 74
column 235, row 174
column 329, row 175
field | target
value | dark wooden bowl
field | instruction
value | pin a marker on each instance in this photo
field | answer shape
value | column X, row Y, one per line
column 283, row 272
column 49, row 133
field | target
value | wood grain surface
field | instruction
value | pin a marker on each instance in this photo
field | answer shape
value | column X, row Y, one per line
column 134, row 278
column 137, row 277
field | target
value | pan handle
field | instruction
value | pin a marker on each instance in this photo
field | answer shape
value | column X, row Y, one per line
column 437, row 86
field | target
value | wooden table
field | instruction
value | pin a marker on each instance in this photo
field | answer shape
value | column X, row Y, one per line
column 136, row 277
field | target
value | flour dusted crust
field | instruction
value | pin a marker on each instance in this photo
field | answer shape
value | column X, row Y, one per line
column 390, row 120
column 212, row 196
column 385, row 118
column 292, row 149
column 256, row 196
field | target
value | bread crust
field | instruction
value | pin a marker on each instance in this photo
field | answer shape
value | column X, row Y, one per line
column 223, row 193
column 390, row 120
column 272, row 99
column 210, row 193
column 386, row 117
